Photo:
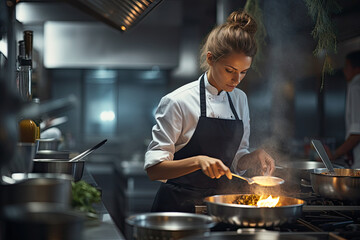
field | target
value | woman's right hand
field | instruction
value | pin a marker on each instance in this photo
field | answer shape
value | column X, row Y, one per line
column 213, row 167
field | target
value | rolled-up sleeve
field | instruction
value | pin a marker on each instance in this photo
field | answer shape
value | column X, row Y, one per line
column 165, row 133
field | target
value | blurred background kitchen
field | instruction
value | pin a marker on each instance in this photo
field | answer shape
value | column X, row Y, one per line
column 118, row 75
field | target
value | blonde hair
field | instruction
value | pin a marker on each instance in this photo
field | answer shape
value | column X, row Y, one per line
column 236, row 35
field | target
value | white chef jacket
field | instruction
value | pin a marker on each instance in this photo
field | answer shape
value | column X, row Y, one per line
column 352, row 115
column 178, row 114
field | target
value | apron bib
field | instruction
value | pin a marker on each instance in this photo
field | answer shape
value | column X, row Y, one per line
column 213, row 137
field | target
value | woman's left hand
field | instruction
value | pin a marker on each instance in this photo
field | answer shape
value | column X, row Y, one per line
column 260, row 161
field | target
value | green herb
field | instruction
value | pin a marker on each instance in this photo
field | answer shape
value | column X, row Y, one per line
column 84, row 196
column 320, row 11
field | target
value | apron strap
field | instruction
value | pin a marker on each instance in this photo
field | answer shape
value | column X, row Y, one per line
column 202, row 97
column 203, row 100
column 232, row 107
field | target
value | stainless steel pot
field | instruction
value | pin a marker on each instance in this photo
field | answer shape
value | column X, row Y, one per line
column 39, row 221
column 343, row 186
column 53, row 188
column 47, row 144
column 221, row 207
column 75, row 169
column 52, row 154
column 299, row 168
column 167, row 225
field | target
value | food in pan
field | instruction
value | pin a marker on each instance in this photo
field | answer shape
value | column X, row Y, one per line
column 256, row 200
column 250, row 199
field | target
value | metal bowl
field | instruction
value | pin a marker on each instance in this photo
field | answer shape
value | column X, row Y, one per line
column 75, row 169
column 51, row 188
column 342, row 186
column 221, row 207
column 39, row 221
column 48, row 144
column 168, row 225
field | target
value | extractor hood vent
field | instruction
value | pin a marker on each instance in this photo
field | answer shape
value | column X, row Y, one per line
column 120, row 14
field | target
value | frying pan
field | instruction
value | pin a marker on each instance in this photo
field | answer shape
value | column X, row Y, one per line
column 221, row 207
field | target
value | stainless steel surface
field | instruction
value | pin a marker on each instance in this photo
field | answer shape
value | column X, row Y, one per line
column 75, row 169
column 52, row 154
column 340, row 186
column 37, row 188
column 120, row 15
column 168, row 225
column 87, row 152
column 48, row 144
column 39, row 221
column 257, row 235
column 23, row 161
column 222, row 209
column 299, row 168
column 323, row 155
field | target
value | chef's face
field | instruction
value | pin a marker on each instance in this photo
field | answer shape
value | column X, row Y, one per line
column 227, row 72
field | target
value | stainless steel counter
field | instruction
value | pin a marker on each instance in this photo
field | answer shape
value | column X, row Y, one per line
column 103, row 228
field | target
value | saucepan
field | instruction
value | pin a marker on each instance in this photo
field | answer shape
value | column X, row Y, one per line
column 75, row 169
column 343, row 185
column 51, row 188
column 224, row 208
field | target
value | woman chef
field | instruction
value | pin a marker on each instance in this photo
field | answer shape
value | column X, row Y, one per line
column 202, row 128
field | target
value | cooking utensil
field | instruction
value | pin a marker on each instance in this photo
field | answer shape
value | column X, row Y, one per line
column 323, row 155
column 87, row 152
column 343, row 185
column 267, row 181
column 221, row 207
column 167, row 225
column 75, row 169
column 40, row 221
column 54, row 188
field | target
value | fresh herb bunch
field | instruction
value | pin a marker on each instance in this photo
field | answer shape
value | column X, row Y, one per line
column 84, row 196
column 324, row 30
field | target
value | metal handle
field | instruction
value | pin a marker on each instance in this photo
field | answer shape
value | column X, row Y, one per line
column 249, row 180
column 322, row 153
column 87, row 152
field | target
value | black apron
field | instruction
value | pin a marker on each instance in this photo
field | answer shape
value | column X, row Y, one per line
column 213, row 137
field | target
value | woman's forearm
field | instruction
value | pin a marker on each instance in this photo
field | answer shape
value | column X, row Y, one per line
column 173, row 169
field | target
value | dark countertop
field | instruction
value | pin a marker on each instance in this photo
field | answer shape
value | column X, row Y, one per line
column 104, row 227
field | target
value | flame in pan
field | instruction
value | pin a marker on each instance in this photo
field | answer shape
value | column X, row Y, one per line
column 268, row 202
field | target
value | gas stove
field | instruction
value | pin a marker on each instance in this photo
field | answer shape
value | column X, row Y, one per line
column 321, row 219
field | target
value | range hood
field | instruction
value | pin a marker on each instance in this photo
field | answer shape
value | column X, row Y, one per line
column 120, row 14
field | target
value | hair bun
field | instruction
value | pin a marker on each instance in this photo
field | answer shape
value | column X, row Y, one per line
column 244, row 21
